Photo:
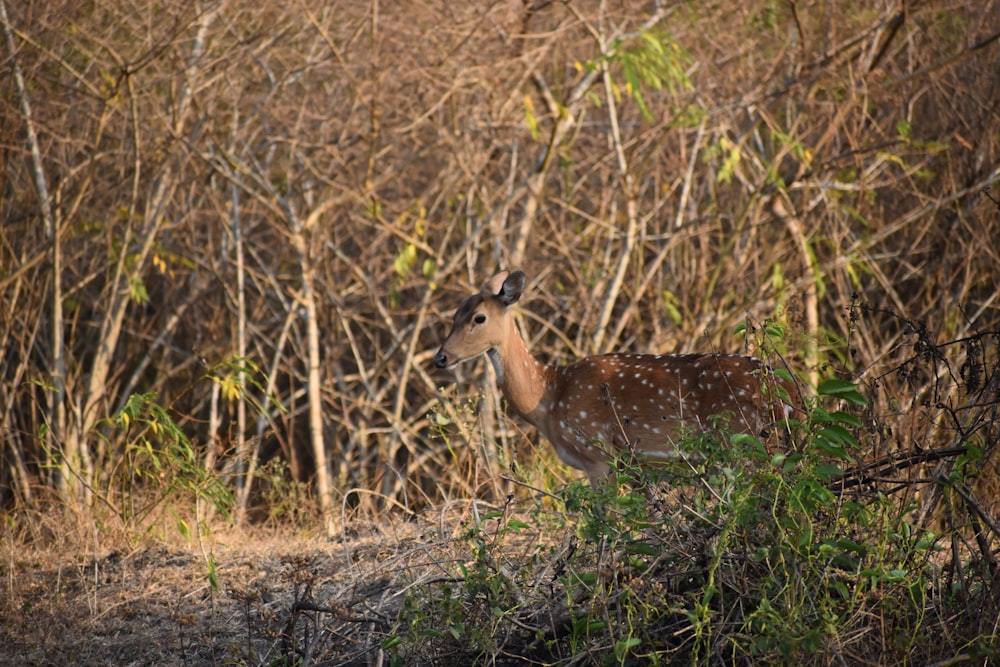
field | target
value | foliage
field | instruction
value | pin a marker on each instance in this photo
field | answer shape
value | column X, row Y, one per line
column 159, row 467
column 730, row 555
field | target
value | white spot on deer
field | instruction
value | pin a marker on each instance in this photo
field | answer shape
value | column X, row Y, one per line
column 662, row 455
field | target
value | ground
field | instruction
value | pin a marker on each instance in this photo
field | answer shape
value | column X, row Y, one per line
column 157, row 605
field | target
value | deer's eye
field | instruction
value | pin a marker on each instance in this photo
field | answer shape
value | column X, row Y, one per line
column 479, row 319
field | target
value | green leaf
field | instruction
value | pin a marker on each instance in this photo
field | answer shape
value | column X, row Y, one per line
column 625, row 645
column 730, row 163
column 845, row 418
column 137, row 290
column 851, row 545
column 838, row 435
column 671, row 306
column 828, row 470
column 184, row 529
column 213, row 576
column 404, row 260
column 773, row 329
column 596, row 626
column 805, row 538
column 791, row 462
column 643, row 549
column 783, row 374
column 841, row 389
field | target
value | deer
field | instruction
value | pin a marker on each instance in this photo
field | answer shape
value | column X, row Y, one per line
column 597, row 405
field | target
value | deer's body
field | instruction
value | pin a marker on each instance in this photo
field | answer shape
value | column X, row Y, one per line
column 589, row 408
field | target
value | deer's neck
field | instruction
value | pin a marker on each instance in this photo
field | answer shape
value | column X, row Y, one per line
column 522, row 378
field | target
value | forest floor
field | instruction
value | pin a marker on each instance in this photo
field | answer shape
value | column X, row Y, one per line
column 471, row 583
column 156, row 605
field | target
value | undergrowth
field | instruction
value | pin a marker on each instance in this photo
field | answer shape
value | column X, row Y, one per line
column 741, row 552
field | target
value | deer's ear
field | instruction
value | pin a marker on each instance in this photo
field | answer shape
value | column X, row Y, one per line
column 512, row 288
column 494, row 285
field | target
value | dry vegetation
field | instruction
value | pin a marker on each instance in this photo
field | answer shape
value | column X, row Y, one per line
column 231, row 237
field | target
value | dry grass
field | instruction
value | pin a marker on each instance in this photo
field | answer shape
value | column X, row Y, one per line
column 156, row 605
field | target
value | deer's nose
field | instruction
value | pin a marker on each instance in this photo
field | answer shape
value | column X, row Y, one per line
column 441, row 360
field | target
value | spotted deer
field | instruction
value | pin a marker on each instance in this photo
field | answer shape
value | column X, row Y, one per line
column 590, row 408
